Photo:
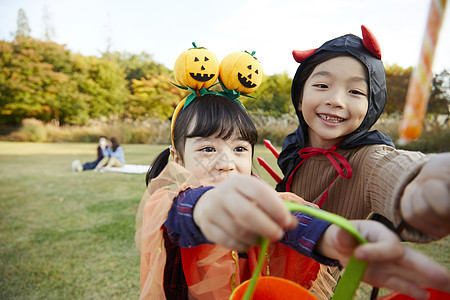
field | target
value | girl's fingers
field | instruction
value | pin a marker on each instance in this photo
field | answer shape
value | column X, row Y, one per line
column 252, row 218
column 221, row 237
column 241, row 218
column 267, row 199
column 228, row 224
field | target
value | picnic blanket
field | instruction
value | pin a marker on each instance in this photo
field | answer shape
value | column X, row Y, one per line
column 130, row 168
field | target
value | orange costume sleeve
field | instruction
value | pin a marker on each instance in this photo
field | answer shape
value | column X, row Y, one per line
column 152, row 213
column 211, row 271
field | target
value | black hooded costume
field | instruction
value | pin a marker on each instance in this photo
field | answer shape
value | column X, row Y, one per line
column 289, row 158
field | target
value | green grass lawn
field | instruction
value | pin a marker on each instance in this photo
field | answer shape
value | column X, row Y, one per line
column 67, row 235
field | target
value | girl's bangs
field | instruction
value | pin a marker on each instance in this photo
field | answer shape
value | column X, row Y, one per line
column 223, row 119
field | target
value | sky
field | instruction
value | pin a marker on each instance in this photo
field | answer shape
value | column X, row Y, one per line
column 272, row 28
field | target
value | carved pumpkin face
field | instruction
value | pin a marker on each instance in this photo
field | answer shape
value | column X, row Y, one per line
column 240, row 71
column 196, row 68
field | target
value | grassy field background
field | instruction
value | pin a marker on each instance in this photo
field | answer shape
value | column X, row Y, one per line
column 66, row 235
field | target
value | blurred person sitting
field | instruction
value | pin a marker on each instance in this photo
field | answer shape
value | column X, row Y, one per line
column 102, row 152
column 116, row 157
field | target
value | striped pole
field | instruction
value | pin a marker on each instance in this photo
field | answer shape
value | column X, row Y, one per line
column 419, row 88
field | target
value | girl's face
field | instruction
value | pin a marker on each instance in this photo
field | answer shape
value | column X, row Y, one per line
column 214, row 159
column 335, row 100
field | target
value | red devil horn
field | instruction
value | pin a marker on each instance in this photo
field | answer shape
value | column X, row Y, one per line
column 300, row 55
column 370, row 42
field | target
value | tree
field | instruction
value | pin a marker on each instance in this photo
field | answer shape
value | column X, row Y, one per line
column 103, row 85
column 23, row 28
column 153, row 96
column 137, row 66
column 397, row 80
column 108, row 39
column 49, row 30
column 273, row 96
column 29, row 84
column 44, row 80
column 440, row 94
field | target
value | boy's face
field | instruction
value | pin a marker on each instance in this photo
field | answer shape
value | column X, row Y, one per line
column 214, row 159
column 335, row 100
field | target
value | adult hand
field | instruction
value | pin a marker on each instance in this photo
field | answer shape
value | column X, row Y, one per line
column 425, row 203
column 391, row 264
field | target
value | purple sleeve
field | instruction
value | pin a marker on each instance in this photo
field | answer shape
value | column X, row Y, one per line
column 180, row 224
column 305, row 236
column 183, row 231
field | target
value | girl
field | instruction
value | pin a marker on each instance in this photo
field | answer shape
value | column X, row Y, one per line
column 205, row 203
column 333, row 160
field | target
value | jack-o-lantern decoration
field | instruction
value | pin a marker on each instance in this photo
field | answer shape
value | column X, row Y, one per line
column 196, row 68
column 241, row 71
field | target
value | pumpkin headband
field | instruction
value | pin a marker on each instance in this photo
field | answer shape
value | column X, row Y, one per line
column 197, row 69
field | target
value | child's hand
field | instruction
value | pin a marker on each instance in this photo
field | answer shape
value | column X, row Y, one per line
column 391, row 264
column 425, row 204
column 239, row 210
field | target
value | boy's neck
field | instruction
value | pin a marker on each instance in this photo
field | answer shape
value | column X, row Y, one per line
column 323, row 144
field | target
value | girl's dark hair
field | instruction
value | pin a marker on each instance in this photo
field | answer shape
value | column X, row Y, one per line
column 157, row 166
column 114, row 144
column 206, row 116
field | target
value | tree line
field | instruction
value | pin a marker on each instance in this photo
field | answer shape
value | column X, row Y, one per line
column 44, row 80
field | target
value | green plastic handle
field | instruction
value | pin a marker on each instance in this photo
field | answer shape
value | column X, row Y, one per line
column 329, row 217
column 354, row 271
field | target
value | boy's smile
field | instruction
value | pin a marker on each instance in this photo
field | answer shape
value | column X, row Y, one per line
column 331, row 118
column 335, row 100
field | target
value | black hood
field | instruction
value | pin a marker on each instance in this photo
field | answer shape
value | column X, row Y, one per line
column 348, row 45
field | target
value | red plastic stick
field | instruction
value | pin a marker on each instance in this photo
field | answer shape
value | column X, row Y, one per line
column 271, row 171
column 271, row 148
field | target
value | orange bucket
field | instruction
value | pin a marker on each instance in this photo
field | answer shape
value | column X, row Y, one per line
column 275, row 288
column 434, row 295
